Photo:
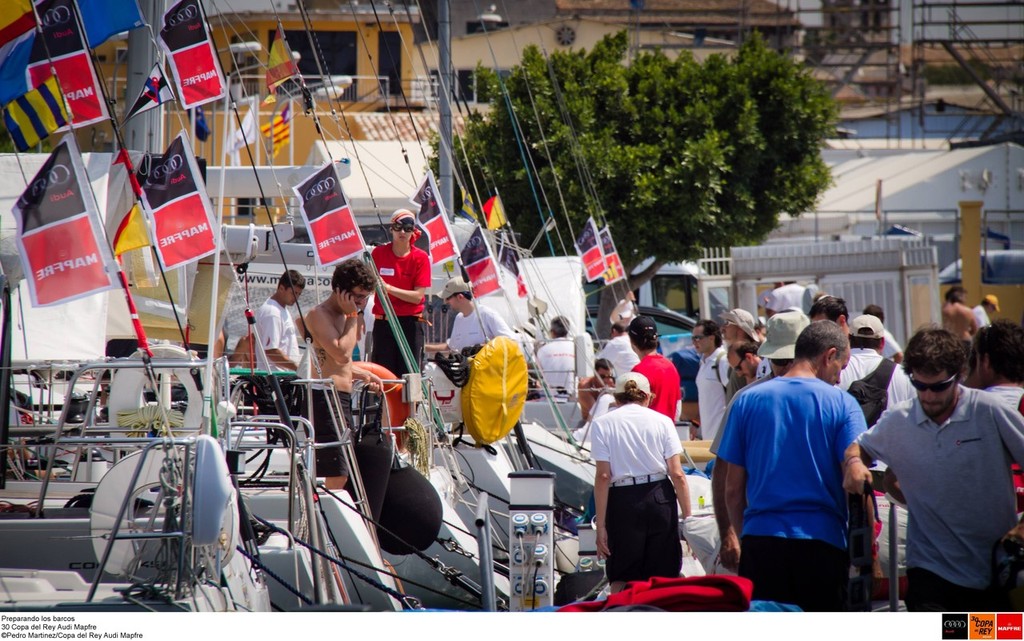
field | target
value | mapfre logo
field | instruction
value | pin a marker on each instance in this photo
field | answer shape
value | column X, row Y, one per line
column 954, row 626
column 1010, row 626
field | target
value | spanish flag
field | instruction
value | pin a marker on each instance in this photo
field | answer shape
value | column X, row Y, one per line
column 494, row 211
column 33, row 116
column 280, row 65
column 15, row 19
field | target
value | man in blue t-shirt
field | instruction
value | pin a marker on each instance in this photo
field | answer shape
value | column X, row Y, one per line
column 784, row 441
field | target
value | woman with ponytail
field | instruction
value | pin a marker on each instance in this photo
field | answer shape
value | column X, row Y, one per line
column 640, row 487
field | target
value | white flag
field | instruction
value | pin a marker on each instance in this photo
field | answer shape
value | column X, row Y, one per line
column 239, row 137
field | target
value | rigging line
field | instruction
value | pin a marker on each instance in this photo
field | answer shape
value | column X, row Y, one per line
column 544, row 141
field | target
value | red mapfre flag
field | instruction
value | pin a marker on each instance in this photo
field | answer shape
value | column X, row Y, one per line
column 64, row 42
column 433, row 219
column 181, row 214
column 328, row 216
column 186, row 39
column 614, row 271
column 588, row 246
column 480, row 265
column 59, row 232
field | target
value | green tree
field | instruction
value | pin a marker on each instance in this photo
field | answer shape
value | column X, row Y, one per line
column 678, row 155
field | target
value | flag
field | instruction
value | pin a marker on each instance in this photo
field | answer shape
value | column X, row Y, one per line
column 202, row 129
column 468, row 210
column 14, row 58
column 175, row 197
column 280, row 64
column 58, row 236
column 62, row 49
column 279, row 128
column 185, row 36
column 126, row 231
column 106, row 18
column 614, row 271
column 441, row 240
column 325, row 209
column 480, row 265
column 32, row 117
column 509, row 259
column 16, row 18
column 494, row 211
column 154, row 93
column 240, row 138
column 588, row 246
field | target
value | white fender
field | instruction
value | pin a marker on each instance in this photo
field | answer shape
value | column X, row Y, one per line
column 126, row 387
column 106, row 503
column 214, row 510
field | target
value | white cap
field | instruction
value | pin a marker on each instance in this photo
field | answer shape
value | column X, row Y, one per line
column 639, row 379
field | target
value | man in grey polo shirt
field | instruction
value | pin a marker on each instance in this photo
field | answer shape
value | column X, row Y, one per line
column 951, row 448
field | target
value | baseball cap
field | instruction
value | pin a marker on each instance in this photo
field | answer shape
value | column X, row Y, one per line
column 991, row 300
column 867, row 326
column 783, row 329
column 643, row 327
column 743, row 319
column 454, row 286
column 641, row 382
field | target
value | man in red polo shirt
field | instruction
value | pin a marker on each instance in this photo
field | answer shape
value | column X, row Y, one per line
column 662, row 374
column 405, row 275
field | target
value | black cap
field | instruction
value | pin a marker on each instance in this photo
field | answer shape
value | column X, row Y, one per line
column 642, row 328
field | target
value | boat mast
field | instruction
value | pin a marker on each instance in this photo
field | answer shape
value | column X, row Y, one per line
column 444, row 45
column 144, row 132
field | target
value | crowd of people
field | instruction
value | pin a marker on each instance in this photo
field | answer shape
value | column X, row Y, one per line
column 799, row 409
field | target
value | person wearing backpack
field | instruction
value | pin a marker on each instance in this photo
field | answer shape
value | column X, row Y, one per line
column 876, row 382
column 712, row 377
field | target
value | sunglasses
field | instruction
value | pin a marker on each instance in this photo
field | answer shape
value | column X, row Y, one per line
column 407, row 227
column 941, row 386
column 697, row 337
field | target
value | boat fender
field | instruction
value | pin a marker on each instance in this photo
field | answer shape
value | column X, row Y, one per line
column 411, row 517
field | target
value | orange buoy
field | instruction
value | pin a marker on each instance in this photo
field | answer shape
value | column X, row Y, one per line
column 397, row 411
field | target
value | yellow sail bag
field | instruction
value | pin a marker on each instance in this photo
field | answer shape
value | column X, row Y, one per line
column 493, row 399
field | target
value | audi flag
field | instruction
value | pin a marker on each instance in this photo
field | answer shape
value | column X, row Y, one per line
column 614, row 271
column 181, row 214
column 433, row 219
column 480, row 265
column 59, row 232
column 63, row 46
column 186, row 39
column 328, row 216
column 588, row 246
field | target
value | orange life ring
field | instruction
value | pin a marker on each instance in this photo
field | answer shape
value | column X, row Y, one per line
column 397, row 410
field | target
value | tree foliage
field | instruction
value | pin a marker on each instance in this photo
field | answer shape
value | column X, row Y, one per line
column 674, row 155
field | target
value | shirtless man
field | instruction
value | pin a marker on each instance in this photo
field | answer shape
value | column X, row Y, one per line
column 957, row 317
column 334, row 327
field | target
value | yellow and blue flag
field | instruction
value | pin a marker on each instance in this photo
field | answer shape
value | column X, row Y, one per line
column 33, row 116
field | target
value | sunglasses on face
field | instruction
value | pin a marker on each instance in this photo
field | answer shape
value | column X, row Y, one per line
column 941, row 386
column 697, row 337
column 406, row 227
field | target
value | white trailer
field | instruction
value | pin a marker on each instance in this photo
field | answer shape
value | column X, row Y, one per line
column 899, row 275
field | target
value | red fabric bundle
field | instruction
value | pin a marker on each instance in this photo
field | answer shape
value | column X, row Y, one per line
column 718, row 593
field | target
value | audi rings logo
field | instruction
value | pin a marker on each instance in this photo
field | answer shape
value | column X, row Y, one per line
column 324, row 186
column 955, row 626
column 55, row 16
column 187, row 13
column 58, row 175
column 166, row 168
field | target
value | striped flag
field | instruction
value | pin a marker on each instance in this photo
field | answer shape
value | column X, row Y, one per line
column 127, row 231
column 15, row 19
column 279, row 128
column 469, row 210
column 32, row 117
column 280, row 64
column 495, row 213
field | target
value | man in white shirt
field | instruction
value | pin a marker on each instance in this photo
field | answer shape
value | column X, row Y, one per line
column 618, row 349
column 276, row 328
column 867, row 339
column 891, row 349
column 712, row 377
column 474, row 324
column 988, row 305
column 997, row 361
column 557, row 359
